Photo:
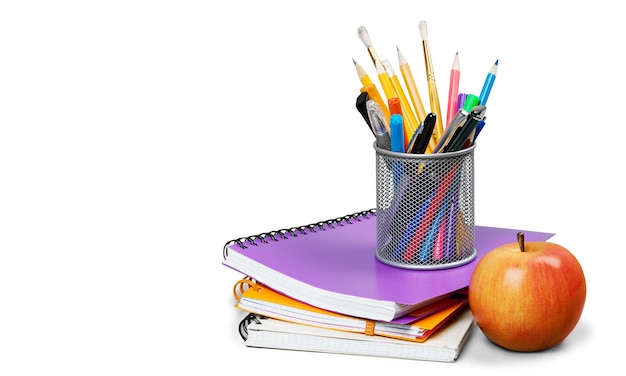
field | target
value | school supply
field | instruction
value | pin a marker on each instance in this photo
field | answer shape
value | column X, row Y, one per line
column 361, row 100
column 414, row 113
column 453, row 90
column 489, row 80
column 363, row 76
column 374, row 94
column 421, row 143
column 435, row 107
column 416, row 326
column 409, row 81
column 411, row 123
column 425, row 209
column 332, row 265
column 378, row 124
column 444, row 346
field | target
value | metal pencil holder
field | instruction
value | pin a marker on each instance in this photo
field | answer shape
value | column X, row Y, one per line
column 425, row 209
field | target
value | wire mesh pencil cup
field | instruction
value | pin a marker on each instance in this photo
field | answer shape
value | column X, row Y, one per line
column 425, row 209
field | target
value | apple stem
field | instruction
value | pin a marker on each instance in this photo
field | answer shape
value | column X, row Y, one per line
column 520, row 240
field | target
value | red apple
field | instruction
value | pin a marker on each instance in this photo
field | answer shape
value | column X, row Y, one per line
column 527, row 296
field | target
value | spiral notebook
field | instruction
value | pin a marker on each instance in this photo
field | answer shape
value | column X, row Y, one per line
column 444, row 346
column 423, row 323
column 332, row 265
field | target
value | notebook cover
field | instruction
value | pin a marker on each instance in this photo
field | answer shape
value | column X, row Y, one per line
column 341, row 259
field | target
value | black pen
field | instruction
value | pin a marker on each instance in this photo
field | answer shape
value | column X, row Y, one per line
column 421, row 143
column 457, row 121
column 475, row 116
column 451, row 133
column 361, row 100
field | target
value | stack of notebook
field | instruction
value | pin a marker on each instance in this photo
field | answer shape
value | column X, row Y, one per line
column 319, row 287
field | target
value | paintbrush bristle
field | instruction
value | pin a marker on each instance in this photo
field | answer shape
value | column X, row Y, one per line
column 423, row 30
column 365, row 37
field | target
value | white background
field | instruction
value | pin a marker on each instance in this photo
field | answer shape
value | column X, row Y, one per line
column 137, row 137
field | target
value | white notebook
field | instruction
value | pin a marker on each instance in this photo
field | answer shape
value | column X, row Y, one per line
column 443, row 346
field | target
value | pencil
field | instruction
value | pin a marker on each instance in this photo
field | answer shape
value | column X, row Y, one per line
column 363, row 76
column 491, row 77
column 409, row 82
column 385, row 81
column 410, row 121
column 435, row 107
column 453, row 92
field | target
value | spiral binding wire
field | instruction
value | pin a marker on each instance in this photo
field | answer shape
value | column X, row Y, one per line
column 276, row 235
column 243, row 325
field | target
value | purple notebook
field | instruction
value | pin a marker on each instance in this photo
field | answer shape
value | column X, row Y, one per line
column 332, row 265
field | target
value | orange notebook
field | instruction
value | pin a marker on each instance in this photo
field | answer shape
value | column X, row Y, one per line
column 257, row 298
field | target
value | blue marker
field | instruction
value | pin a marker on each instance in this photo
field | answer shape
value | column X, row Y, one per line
column 396, row 128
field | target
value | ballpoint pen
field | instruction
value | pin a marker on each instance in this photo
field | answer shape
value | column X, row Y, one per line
column 459, row 119
column 421, row 143
column 378, row 124
column 479, row 127
column 361, row 101
column 465, row 132
column 461, row 115
column 413, row 138
column 374, row 94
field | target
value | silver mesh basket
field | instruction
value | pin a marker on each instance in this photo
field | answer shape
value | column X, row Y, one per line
column 425, row 209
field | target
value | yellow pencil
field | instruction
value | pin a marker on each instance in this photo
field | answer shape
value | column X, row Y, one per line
column 371, row 89
column 363, row 76
column 410, row 122
column 385, row 81
column 409, row 82
column 435, row 107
